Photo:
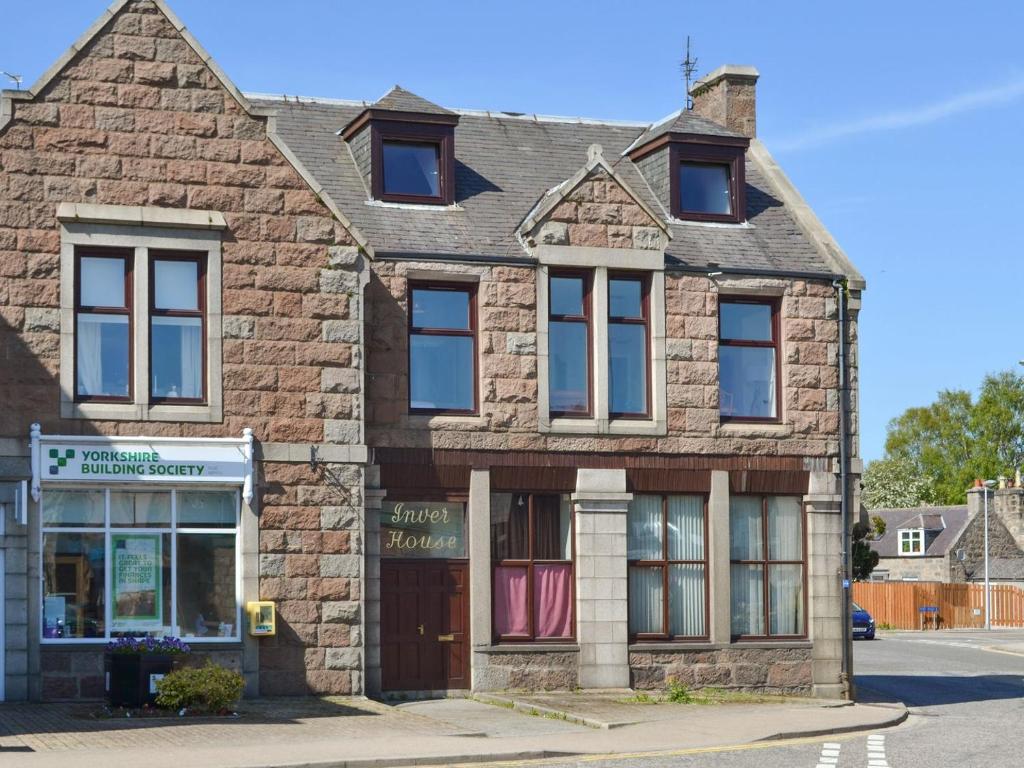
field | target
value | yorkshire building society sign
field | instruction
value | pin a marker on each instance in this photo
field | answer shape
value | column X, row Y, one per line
column 60, row 458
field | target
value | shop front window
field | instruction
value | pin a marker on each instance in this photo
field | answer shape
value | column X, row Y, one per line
column 121, row 563
column 532, row 554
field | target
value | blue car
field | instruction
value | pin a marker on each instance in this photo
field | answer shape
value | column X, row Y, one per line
column 863, row 624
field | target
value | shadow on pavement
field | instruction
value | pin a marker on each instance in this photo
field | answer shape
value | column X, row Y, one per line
column 936, row 690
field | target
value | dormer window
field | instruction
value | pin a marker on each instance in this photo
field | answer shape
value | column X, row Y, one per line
column 707, row 182
column 404, row 146
column 413, row 162
column 911, row 542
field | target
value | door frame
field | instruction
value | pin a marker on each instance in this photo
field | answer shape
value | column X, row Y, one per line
column 467, row 617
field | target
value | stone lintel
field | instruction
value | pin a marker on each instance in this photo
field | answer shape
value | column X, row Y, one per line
column 140, row 215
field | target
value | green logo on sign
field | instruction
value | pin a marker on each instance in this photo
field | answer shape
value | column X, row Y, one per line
column 62, row 461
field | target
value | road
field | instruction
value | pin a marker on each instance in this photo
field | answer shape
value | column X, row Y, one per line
column 966, row 705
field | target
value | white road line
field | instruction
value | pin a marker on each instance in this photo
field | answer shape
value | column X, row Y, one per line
column 876, row 751
column 829, row 757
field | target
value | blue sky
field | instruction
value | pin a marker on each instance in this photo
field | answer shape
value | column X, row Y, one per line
column 899, row 122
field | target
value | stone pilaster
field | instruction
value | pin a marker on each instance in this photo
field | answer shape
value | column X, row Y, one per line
column 479, row 550
column 373, row 501
column 825, row 585
column 718, row 559
column 602, row 616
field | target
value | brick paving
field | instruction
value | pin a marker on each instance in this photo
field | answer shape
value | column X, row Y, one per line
column 55, row 727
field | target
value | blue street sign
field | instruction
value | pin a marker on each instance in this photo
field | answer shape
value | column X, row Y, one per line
column 928, row 609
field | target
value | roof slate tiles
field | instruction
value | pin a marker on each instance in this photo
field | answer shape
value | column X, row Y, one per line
column 504, row 165
column 954, row 518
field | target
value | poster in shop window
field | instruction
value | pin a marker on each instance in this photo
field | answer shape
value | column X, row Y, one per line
column 137, row 565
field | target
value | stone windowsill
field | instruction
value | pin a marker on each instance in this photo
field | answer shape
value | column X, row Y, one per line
column 528, row 648
column 445, row 420
column 753, row 429
column 660, row 647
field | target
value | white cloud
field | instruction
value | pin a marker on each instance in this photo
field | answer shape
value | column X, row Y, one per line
column 893, row 121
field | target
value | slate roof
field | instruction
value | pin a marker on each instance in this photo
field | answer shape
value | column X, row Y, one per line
column 400, row 100
column 505, row 162
column 954, row 519
column 683, row 121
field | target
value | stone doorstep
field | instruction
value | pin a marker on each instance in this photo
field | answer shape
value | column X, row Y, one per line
column 529, row 707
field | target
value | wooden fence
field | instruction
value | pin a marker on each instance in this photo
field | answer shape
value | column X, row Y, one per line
column 961, row 606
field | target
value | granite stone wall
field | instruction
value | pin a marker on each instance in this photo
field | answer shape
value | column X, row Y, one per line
column 311, row 554
column 527, row 670
column 753, row 669
column 508, row 369
column 136, row 118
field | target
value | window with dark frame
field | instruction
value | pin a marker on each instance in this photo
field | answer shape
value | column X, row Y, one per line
column 667, row 566
column 103, row 325
column 442, row 348
column 177, row 330
column 767, row 566
column 628, row 346
column 532, row 567
column 413, row 162
column 749, row 378
column 707, row 182
column 569, row 344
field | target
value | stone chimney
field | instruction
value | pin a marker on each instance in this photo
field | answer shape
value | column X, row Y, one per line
column 1009, row 506
column 728, row 96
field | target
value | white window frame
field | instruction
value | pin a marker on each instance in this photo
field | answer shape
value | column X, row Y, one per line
column 601, row 261
column 173, row 530
column 141, row 230
column 914, row 536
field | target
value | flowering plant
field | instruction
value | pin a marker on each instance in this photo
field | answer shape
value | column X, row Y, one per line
column 170, row 646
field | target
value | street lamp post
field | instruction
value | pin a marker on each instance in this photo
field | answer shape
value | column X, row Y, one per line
column 988, row 586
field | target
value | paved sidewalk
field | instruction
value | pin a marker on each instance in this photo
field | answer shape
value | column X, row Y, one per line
column 359, row 733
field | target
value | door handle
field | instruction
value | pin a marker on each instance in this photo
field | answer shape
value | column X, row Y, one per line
column 446, row 638
column 420, row 629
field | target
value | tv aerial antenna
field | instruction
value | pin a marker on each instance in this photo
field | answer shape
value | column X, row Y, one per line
column 16, row 79
column 689, row 67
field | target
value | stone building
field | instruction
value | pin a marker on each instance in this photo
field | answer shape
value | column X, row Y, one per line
column 947, row 544
column 477, row 399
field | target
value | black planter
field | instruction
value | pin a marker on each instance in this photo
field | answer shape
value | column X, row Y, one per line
column 129, row 676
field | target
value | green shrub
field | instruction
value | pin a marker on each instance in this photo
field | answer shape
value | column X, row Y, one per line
column 677, row 693
column 201, row 689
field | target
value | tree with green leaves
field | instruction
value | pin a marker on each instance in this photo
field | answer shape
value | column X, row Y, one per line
column 894, row 483
column 864, row 558
column 952, row 441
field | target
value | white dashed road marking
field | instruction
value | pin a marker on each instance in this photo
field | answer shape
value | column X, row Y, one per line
column 829, row 757
column 876, row 751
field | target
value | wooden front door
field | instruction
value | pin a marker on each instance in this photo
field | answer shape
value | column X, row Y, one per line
column 424, row 624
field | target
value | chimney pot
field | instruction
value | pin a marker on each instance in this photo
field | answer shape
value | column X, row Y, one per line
column 728, row 96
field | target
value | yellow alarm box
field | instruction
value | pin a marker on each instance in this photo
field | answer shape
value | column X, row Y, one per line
column 262, row 618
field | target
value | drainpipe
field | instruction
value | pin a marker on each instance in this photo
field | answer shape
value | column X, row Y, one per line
column 844, row 481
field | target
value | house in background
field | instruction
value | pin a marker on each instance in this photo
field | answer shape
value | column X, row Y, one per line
column 917, row 543
column 946, row 544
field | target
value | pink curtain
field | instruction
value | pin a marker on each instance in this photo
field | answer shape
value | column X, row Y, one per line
column 510, row 601
column 552, row 592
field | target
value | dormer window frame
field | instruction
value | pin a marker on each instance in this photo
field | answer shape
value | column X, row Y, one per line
column 412, row 129
column 915, row 541
column 723, row 151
